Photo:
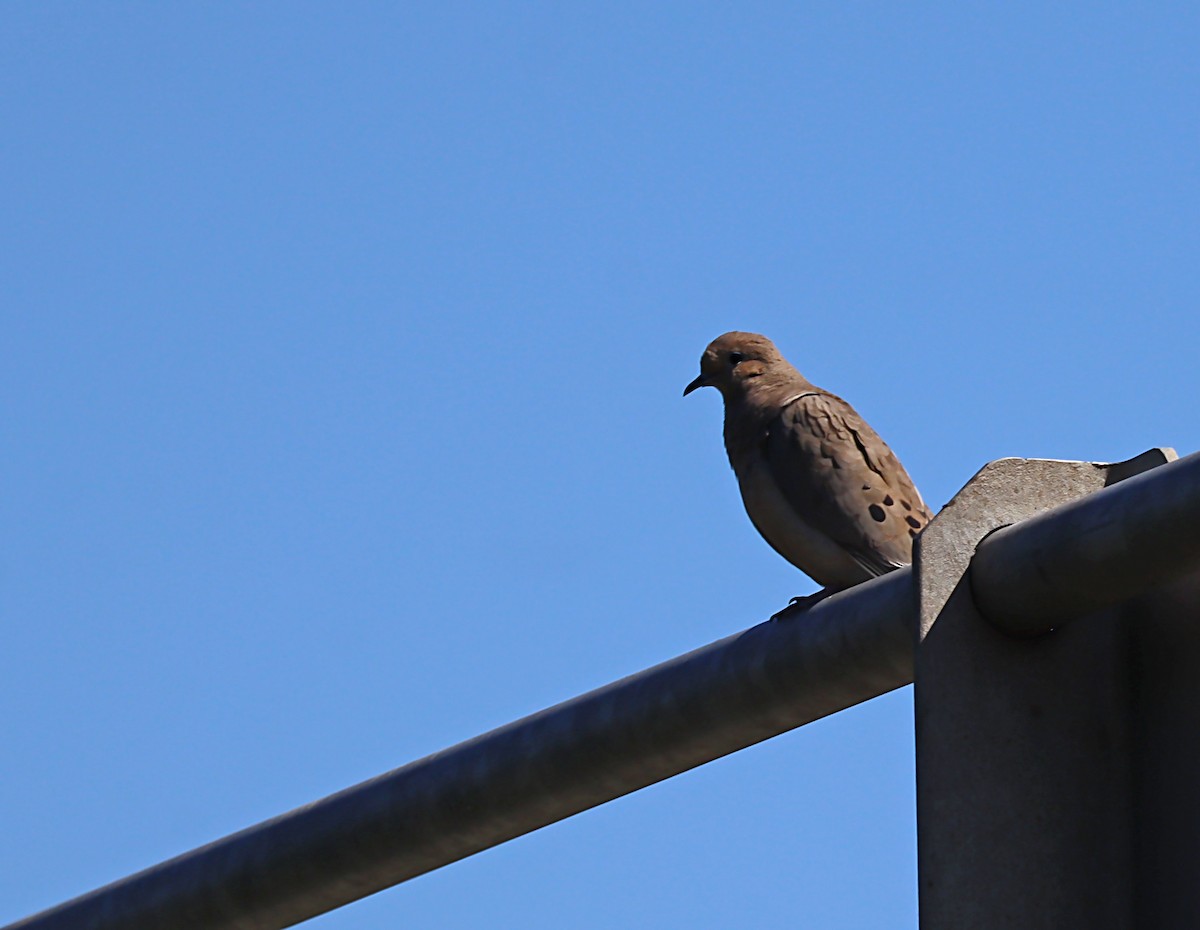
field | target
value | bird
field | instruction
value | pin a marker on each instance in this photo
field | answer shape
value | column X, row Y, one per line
column 816, row 480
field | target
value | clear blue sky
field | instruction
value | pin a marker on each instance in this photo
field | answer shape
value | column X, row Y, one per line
column 342, row 356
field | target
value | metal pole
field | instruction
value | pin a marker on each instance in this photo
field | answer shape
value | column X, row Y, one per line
column 632, row 733
column 658, row 723
column 1093, row 552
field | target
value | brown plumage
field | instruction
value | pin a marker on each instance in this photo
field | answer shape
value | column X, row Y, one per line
column 818, row 483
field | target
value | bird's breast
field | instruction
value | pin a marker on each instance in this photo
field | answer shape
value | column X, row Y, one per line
column 789, row 534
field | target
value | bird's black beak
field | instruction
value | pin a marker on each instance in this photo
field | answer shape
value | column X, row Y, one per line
column 698, row 383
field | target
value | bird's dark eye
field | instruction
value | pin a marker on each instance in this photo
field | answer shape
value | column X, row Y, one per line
column 735, row 358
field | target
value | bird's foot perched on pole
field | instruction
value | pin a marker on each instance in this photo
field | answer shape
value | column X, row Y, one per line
column 797, row 605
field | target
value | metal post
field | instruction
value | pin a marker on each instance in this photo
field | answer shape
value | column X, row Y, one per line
column 1027, row 788
column 1165, row 675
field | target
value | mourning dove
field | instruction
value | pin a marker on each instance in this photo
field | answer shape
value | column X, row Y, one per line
column 818, row 483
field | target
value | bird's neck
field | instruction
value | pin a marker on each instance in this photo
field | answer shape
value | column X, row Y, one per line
column 749, row 414
column 746, row 425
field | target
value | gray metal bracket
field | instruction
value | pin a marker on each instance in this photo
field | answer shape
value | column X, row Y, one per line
column 1023, row 745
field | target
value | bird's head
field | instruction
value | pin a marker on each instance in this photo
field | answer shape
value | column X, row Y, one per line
column 733, row 362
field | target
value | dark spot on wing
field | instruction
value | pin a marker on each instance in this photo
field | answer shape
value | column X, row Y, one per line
column 913, row 522
column 887, row 501
column 906, row 505
column 877, row 513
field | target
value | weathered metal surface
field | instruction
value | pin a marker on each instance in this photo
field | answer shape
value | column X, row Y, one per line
column 1165, row 672
column 1094, row 552
column 1024, row 775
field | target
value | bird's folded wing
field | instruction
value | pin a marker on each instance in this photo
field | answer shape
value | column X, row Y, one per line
column 844, row 480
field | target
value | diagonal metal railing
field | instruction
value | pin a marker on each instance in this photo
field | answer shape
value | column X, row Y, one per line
column 733, row 693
